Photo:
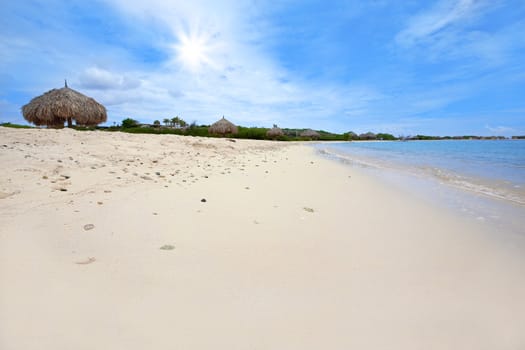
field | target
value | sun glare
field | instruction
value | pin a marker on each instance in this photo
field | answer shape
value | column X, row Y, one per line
column 193, row 51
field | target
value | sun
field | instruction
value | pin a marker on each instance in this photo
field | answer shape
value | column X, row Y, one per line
column 193, row 51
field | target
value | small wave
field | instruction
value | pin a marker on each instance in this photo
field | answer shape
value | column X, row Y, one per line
column 501, row 190
column 346, row 159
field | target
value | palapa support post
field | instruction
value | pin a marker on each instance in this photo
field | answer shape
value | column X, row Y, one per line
column 69, row 119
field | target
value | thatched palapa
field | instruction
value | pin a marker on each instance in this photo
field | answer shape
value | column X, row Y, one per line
column 223, row 127
column 312, row 134
column 352, row 136
column 275, row 132
column 368, row 136
column 64, row 105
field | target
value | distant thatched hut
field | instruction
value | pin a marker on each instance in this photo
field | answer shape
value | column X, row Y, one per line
column 368, row 136
column 274, row 132
column 64, row 105
column 311, row 134
column 352, row 136
column 223, row 127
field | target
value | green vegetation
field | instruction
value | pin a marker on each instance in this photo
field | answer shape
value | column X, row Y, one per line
column 16, row 126
column 178, row 126
column 386, row 137
column 328, row 136
column 129, row 123
column 251, row 133
column 179, row 123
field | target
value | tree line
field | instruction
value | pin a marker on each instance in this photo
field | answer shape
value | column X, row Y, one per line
column 177, row 125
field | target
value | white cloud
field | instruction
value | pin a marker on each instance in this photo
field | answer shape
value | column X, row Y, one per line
column 500, row 130
column 444, row 15
column 202, row 59
column 216, row 63
column 12, row 47
column 460, row 31
column 101, row 79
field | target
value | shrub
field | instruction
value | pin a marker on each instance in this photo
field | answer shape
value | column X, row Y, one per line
column 129, row 123
column 16, row 126
column 387, row 137
column 251, row 133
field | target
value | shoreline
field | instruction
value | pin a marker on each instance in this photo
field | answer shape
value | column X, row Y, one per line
column 494, row 199
column 289, row 250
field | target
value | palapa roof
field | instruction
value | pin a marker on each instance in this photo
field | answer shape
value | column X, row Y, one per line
column 223, row 127
column 310, row 133
column 275, row 132
column 60, row 105
column 368, row 136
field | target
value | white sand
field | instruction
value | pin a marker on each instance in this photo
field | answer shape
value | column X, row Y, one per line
column 369, row 268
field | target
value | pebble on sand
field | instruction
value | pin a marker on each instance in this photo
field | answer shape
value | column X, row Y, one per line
column 86, row 262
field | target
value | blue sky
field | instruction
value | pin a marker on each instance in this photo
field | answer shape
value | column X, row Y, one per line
column 445, row 67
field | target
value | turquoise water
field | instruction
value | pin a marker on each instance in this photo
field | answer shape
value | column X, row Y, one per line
column 483, row 177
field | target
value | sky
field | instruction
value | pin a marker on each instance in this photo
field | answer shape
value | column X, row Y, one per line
column 445, row 67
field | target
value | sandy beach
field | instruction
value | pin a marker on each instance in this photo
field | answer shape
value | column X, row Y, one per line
column 123, row 241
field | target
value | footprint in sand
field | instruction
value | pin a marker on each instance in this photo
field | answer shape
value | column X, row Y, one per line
column 6, row 195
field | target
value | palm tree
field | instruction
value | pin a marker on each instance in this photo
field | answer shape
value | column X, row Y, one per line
column 156, row 123
column 175, row 122
column 166, row 121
